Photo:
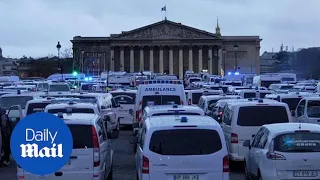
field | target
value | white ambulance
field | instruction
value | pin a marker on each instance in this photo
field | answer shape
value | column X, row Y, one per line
column 157, row 92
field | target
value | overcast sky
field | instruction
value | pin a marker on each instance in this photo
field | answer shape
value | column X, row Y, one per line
column 33, row 27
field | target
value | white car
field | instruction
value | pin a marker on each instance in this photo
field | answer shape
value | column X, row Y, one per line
column 181, row 148
column 284, row 151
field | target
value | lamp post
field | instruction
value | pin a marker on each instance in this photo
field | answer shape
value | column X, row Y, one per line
column 108, row 72
column 235, row 48
column 224, row 60
column 60, row 62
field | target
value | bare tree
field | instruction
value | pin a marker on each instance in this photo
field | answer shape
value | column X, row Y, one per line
column 67, row 53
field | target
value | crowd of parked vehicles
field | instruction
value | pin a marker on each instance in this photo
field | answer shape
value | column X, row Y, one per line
column 190, row 129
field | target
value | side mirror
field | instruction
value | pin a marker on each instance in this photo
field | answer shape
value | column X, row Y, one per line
column 133, row 141
column 293, row 113
column 246, row 143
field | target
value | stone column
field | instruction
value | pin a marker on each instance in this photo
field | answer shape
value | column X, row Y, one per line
column 220, row 64
column 131, row 59
column 200, row 68
column 122, row 59
column 171, row 60
column 151, row 66
column 161, row 60
column 111, row 63
column 210, row 59
column 190, row 59
column 141, row 59
column 181, row 62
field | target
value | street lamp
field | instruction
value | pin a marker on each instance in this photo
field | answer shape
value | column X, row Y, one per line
column 235, row 48
column 224, row 60
column 108, row 72
column 58, row 48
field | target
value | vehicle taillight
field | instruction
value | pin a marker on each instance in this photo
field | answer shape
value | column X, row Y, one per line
column 274, row 156
column 20, row 177
column 145, row 165
column 220, row 114
column 226, row 163
column 96, row 148
column 234, row 138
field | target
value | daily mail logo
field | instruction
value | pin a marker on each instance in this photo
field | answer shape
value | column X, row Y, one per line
column 41, row 143
column 160, row 89
column 32, row 150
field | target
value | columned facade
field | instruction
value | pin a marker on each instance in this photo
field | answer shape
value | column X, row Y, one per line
column 175, row 61
column 165, row 47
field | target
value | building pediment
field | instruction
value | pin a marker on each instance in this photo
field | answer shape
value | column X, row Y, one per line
column 165, row 30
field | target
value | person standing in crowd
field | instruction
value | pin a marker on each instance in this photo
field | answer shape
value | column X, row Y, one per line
column 6, row 133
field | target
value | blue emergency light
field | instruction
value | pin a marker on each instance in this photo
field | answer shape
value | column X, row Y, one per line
column 90, row 78
column 236, row 73
column 184, row 119
column 86, row 79
column 229, row 73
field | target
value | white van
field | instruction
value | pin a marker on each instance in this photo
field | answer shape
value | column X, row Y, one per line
column 206, row 103
column 242, row 120
column 252, row 93
column 181, row 147
column 195, row 94
column 92, row 155
column 157, row 92
column 126, row 99
column 308, row 110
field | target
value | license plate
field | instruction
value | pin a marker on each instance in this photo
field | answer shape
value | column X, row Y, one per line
column 186, row 177
column 305, row 173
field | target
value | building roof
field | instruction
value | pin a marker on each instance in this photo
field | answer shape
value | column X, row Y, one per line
column 165, row 29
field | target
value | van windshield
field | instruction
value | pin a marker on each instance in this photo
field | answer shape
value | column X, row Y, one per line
column 7, row 102
column 124, row 98
column 196, row 97
column 87, row 87
column 313, row 109
column 292, row 102
column 59, row 88
column 249, row 95
column 71, row 110
column 36, row 107
column 81, row 135
column 160, row 100
column 261, row 115
column 185, row 142
column 297, row 142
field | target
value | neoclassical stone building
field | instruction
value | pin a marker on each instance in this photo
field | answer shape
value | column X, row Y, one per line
column 167, row 47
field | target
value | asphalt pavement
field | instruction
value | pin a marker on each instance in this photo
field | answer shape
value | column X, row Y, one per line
column 124, row 162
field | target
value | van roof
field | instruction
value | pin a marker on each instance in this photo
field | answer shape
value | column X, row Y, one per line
column 79, row 118
column 212, row 97
column 255, row 102
column 289, row 127
column 163, row 108
column 175, row 120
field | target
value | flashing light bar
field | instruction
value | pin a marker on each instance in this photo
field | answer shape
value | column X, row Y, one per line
column 161, row 82
column 236, row 73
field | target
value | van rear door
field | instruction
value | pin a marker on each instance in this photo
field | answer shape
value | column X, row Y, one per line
column 185, row 154
column 80, row 165
column 251, row 118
